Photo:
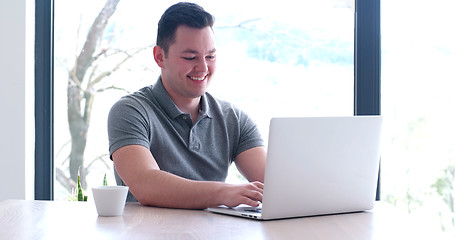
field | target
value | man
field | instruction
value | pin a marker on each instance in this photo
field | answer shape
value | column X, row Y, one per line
column 172, row 143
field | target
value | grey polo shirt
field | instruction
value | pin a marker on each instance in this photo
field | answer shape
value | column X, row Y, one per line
column 202, row 151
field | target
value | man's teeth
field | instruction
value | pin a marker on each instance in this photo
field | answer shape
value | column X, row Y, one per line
column 197, row 78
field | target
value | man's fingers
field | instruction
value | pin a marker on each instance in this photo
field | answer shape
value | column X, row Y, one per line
column 253, row 203
column 258, row 186
column 250, row 202
column 257, row 196
column 254, row 194
column 249, row 194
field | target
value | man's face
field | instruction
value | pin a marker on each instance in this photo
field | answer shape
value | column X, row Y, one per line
column 190, row 63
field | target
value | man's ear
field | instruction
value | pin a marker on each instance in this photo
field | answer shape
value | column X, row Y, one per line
column 158, row 54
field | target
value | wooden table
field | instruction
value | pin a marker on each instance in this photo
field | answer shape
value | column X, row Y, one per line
column 20, row 219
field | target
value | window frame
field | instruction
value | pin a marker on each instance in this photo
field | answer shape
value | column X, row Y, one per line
column 367, row 79
column 367, row 62
column 44, row 47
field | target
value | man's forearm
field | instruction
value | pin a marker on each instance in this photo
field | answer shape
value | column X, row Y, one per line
column 163, row 189
column 159, row 188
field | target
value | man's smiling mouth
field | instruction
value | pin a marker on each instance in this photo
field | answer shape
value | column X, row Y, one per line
column 198, row 78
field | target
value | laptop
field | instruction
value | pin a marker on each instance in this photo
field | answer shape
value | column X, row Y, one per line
column 318, row 166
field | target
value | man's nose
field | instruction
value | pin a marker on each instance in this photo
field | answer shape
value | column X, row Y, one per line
column 202, row 66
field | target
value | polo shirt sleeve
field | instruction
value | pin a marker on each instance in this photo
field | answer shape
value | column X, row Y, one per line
column 250, row 135
column 127, row 125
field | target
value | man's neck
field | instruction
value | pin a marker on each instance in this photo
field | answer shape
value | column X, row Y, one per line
column 188, row 105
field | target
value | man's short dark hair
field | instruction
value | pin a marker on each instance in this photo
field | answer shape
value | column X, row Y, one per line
column 183, row 13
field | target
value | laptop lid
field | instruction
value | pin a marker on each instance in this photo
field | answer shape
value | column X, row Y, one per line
column 321, row 165
column 317, row 166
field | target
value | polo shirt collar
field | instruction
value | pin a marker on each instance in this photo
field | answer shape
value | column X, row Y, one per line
column 166, row 103
column 205, row 107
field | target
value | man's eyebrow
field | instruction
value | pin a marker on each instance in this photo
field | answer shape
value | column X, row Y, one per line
column 195, row 52
column 190, row 51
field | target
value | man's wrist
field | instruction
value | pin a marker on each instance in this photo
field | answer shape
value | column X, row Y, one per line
column 216, row 195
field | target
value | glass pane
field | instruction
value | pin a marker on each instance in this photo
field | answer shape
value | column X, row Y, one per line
column 418, row 59
column 282, row 59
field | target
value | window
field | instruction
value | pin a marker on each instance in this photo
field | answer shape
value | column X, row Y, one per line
column 418, row 157
column 44, row 188
column 297, row 68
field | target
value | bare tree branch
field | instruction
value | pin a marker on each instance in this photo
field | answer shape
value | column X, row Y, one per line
column 99, row 158
column 100, row 77
column 66, row 182
column 113, row 88
column 241, row 24
column 78, row 123
column 94, row 36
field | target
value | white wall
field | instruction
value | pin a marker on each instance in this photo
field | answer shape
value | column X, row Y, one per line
column 16, row 99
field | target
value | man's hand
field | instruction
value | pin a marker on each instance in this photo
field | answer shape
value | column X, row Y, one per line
column 235, row 194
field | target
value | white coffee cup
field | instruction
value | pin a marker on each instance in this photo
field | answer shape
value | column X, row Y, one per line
column 110, row 200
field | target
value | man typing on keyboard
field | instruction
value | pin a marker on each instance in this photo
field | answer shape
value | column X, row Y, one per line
column 172, row 142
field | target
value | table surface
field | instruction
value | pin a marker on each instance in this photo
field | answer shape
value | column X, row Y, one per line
column 28, row 219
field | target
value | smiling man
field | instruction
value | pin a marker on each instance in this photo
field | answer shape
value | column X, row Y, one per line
column 172, row 142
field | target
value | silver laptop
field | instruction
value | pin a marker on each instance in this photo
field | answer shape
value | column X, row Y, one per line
column 318, row 166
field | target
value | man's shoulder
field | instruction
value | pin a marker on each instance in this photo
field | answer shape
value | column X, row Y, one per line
column 142, row 95
column 225, row 109
column 139, row 101
column 220, row 103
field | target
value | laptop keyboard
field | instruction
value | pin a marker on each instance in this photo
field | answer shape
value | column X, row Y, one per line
column 256, row 210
